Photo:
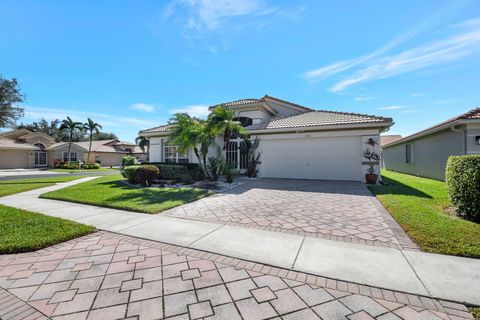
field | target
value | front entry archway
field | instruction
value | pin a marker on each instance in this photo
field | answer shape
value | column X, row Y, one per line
column 235, row 155
column 40, row 155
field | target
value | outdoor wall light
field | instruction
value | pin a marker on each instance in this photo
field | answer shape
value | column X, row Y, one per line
column 477, row 139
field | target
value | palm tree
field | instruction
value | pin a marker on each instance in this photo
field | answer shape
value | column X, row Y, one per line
column 222, row 121
column 71, row 126
column 143, row 143
column 91, row 126
column 192, row 133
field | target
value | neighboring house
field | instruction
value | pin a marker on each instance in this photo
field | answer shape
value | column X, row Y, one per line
column 295, row 141
column 425, row 153
column 25, row 149
column 389, row 138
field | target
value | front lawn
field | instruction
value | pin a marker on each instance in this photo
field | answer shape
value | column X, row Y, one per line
column 422, row 208
column 23, row 231
column 8, row 187
column 109, row 191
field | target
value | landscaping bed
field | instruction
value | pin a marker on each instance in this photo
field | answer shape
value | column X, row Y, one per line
column 23, row 231
column 422, row 208
column 111, row 192
column 8, row 187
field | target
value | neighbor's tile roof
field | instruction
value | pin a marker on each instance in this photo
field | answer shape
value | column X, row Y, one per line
column 10, row 144
column 321, row 118
column 100, row 146
column 386, row 139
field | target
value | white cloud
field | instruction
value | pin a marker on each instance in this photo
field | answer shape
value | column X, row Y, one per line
column 143, row 107
column 430, row 54
column 362, row 98
column 197, row 110
column 393, row 108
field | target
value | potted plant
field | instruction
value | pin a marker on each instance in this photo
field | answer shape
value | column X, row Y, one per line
column 371, row 177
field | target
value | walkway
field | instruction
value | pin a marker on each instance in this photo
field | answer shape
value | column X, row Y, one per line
column 109, row 276
column 444, row 277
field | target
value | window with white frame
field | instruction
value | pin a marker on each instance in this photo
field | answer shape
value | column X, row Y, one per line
column 172, row 155
column 73, row 156
column 409, row 153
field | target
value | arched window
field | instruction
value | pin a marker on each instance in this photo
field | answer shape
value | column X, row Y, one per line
column 245, row 121
column 39, row 146
column 129, row 150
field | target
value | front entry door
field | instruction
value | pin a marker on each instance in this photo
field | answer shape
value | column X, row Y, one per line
column 234, row 154
column 40, row 158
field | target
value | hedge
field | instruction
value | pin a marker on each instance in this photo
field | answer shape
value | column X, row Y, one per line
column 463, row 185
column 178, row 171
column 144, row 175
column 87, row 166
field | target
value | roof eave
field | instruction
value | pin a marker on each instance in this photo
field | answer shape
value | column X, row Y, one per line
column 382, row 124
column 430, row 131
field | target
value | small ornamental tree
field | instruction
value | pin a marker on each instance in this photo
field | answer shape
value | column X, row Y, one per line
column 463, row 185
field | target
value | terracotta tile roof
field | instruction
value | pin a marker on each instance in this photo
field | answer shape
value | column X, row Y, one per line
column 473, row 114
column 248, row 101
column 321, row 118
column 101, row 146
column 163, row 128
column 386, row 139
column 10, row 144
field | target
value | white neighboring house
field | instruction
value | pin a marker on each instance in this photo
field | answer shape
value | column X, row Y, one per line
column 425, row 153
column 295, row 141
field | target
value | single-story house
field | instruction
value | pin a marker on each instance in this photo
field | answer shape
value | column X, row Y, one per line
column 425, row 153
column 295, row 141
column 26, row 149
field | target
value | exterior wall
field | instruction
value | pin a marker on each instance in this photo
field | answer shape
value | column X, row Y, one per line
column 473, row 131
column 156, row 150
column 430, row 154
column 58, row 153
column 258, row 116
column 335, row 155
column 15, row 159
column 106, row 159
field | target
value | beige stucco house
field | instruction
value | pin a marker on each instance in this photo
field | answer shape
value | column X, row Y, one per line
column 425, row 153
column 295, row 141
column 25, row 149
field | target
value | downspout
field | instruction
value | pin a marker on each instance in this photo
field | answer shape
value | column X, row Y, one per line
column 464, row 133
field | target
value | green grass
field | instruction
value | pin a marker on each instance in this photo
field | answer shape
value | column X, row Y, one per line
column 23, row 231
column 421, row 207
column 109, row 191
column 8, row 187
column 86, row 170
column 476, row 313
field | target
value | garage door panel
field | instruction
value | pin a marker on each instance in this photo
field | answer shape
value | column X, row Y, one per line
column 315, row 158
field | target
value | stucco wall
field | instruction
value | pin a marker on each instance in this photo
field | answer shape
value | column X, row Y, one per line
column 473, row 131
column 15, row 159
column 430, row 154
column 106, row 159
column 58, row 153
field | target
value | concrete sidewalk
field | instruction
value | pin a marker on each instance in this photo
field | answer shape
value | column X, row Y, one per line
column 439, row 276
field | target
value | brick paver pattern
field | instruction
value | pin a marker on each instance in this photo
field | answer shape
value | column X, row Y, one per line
column 108, row 276
column 328, row 209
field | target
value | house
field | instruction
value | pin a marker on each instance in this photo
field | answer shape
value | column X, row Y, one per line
column 425, row 153
column 295, row 141
column 26, row 149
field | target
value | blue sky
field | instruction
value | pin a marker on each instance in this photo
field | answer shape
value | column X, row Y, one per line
column 130, row 64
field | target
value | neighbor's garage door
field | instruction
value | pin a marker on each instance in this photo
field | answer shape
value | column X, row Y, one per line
column 333, row 158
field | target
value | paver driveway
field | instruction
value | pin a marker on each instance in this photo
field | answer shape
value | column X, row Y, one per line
column 335, row 210
column 110, row 276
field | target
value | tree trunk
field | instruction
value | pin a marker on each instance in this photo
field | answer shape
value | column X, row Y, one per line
column 90, row 147
column 199, row 157
column 69, row 147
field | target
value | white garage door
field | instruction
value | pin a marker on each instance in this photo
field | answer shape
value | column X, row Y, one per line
column 333, row 158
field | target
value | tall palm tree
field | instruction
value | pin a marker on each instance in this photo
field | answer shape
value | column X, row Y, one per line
column 71, row 126
column 188, row 132
column 143, row 143
column 222, row 121
column 91, row 126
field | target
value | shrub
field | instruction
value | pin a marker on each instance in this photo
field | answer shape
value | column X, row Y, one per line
column 463, row 185
column 127, row 161
column 89, row 166
column 175, row 171
column 229, row 172
column 64, row 165
column 144, row 175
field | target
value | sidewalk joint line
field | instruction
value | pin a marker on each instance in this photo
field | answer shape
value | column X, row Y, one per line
column 298, row 253
column 416, row 275
column 191, row 243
